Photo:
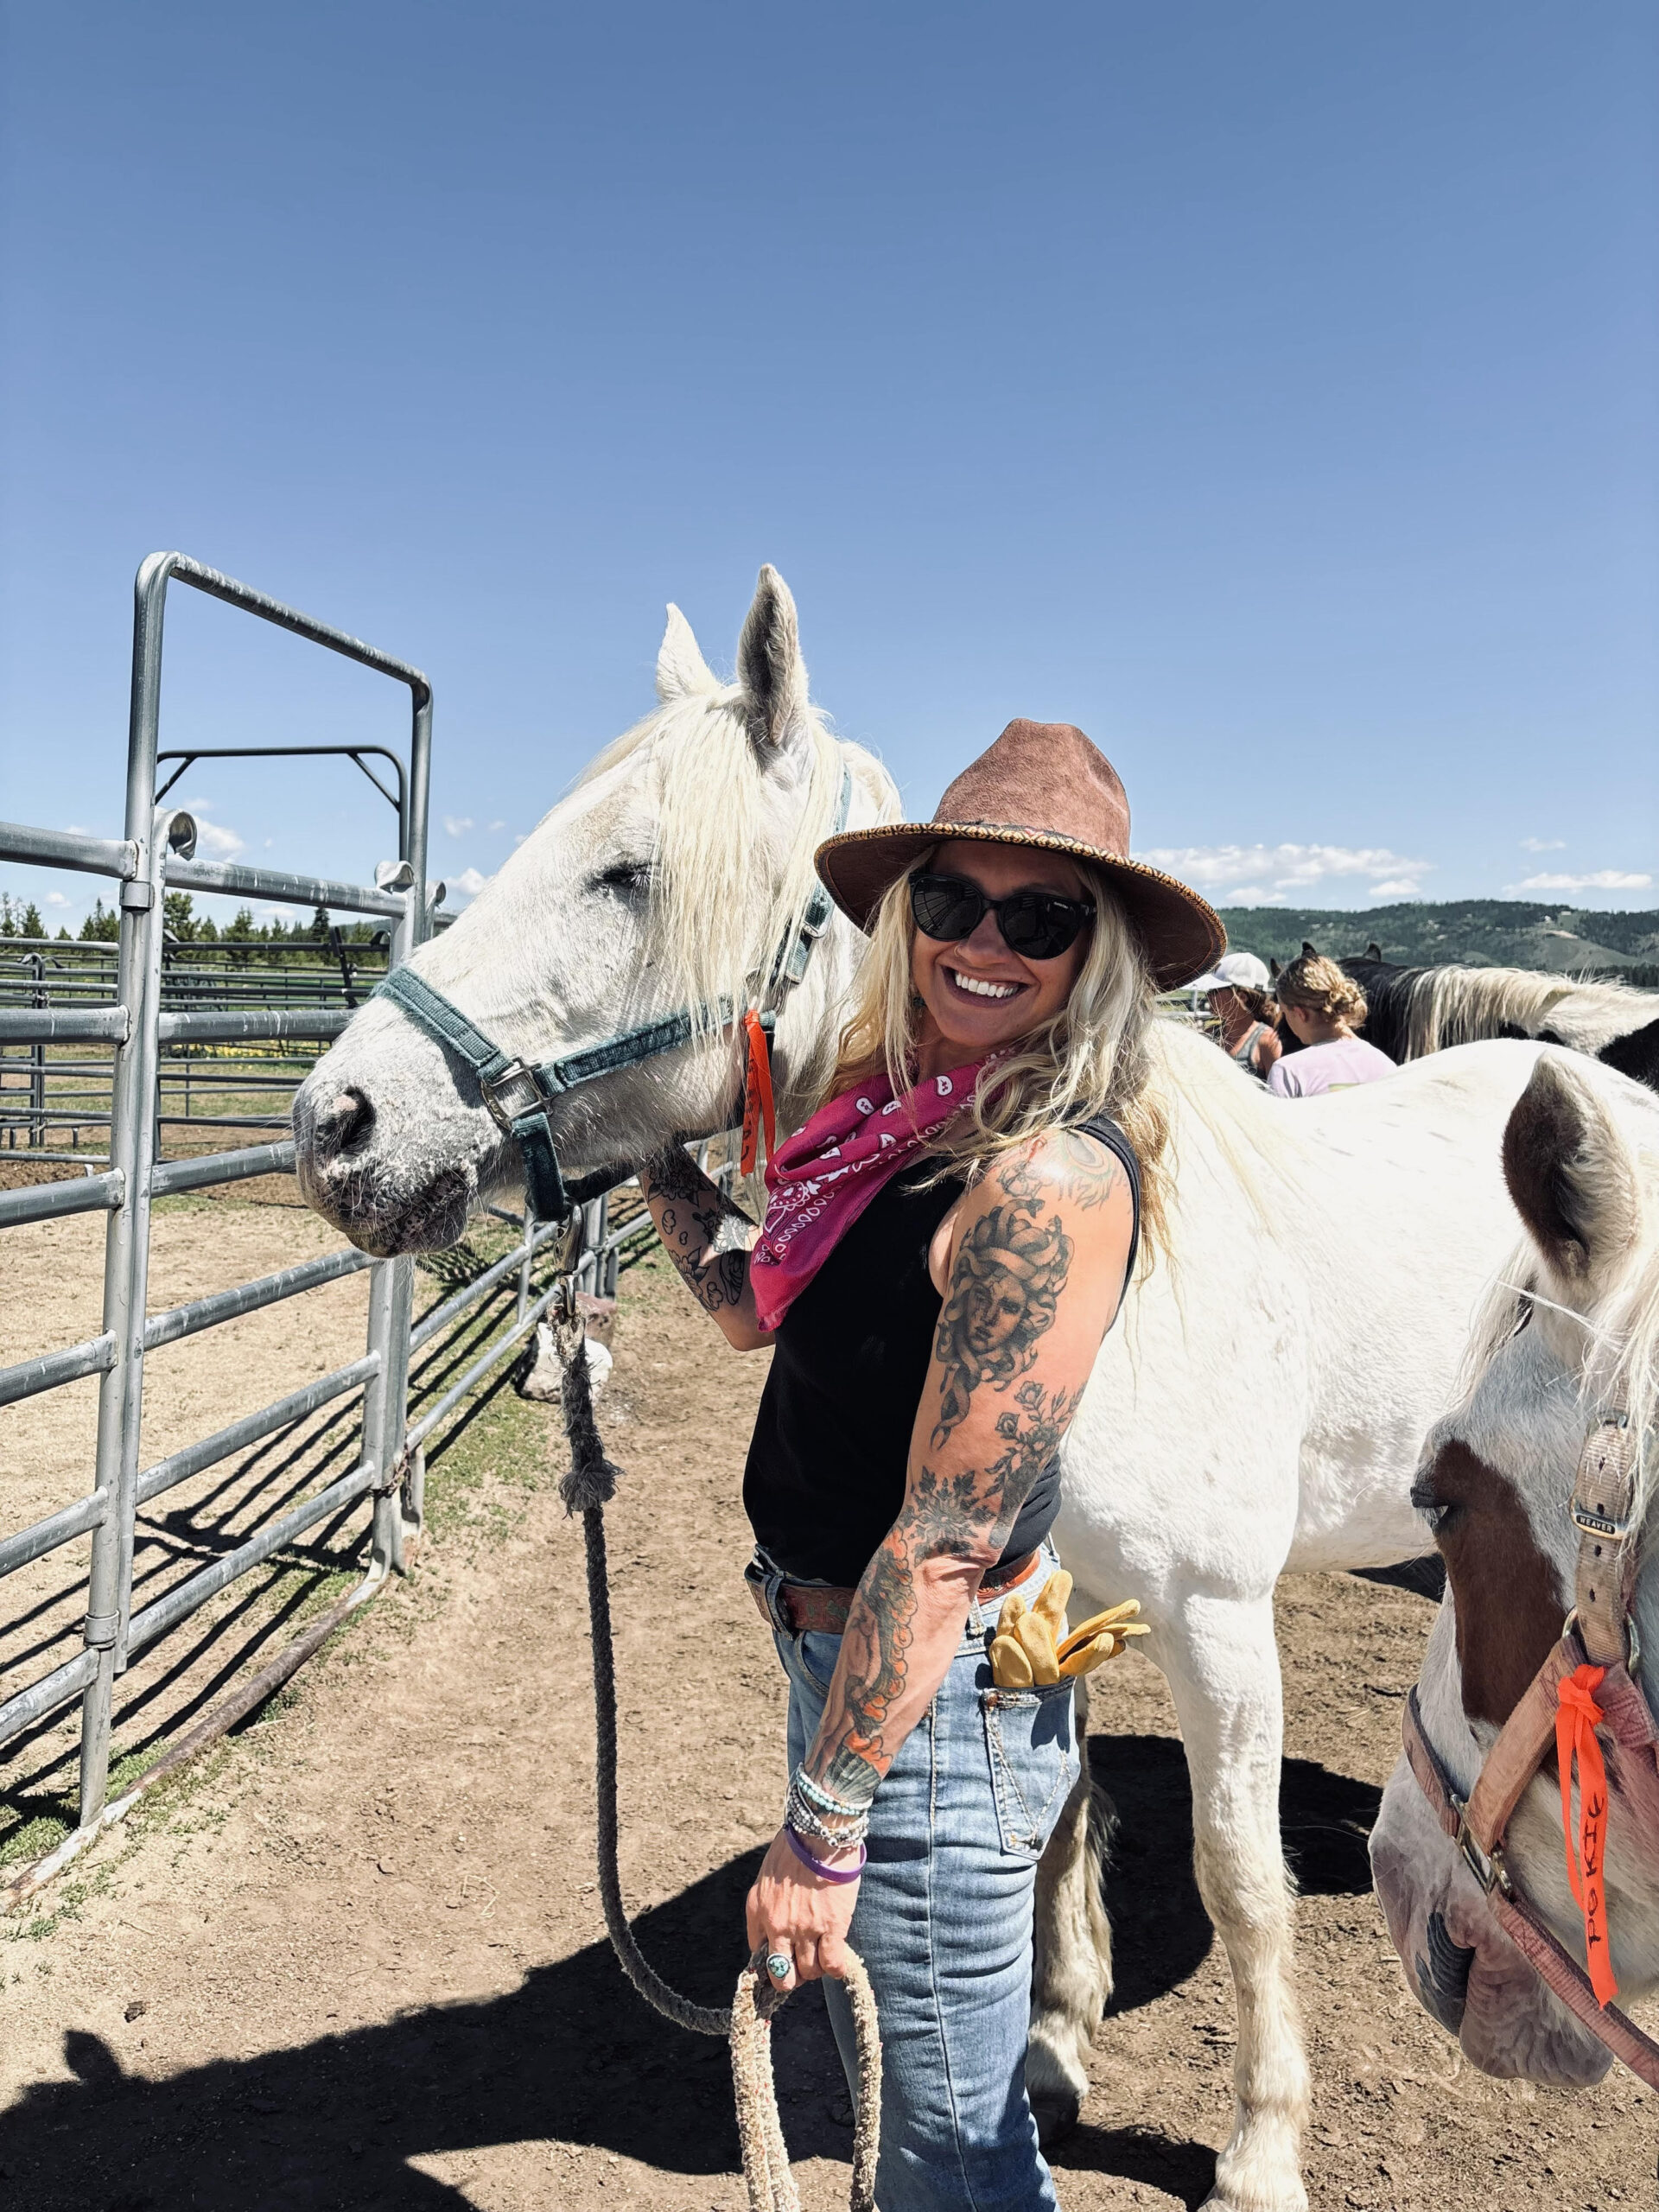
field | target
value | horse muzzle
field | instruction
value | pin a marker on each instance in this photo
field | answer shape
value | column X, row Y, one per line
column 1461, row 1967
column 394, row 1159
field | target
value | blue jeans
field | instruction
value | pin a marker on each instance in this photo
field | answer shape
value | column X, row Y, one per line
column 944, row 1919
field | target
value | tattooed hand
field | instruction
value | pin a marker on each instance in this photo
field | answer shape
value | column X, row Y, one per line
column 708, row 1238
column 1041, row 1248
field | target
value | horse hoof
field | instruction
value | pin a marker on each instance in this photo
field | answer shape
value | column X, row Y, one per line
column 1056, row 2113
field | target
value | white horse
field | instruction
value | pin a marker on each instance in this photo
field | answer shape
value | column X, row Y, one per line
column 1573, row 1326
column 1324, row 1260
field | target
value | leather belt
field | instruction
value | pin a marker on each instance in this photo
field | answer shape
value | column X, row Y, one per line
column 812, row 1608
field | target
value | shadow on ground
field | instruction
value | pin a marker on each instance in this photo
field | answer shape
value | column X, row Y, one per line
column 573, row 2056
column 1160, row 1932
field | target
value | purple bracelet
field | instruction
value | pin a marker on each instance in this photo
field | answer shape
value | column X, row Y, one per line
column 826, row 1873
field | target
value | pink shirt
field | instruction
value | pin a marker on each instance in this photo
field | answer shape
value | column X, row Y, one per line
column 1337, row 1067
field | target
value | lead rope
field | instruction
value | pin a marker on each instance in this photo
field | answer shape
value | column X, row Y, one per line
column 588, row 1488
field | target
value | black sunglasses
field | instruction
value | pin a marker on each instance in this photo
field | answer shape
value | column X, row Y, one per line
column 1036, row 924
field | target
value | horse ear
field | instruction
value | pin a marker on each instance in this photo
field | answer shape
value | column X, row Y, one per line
column 770, row 669
column 681, row 668
column 1274, row 971
column 1374, row 950
column 1571, row 1178
column 1309, row 951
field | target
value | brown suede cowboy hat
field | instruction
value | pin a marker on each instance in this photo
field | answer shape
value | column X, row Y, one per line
column 1042, row 784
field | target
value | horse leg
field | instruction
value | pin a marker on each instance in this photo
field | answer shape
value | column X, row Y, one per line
column 1071, row 1963
column 1221, row 1663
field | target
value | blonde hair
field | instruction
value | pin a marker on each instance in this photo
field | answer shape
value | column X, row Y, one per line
column 1090, row 1058
column 1319, row 986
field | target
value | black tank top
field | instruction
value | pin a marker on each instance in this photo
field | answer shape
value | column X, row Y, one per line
column 826, row 1470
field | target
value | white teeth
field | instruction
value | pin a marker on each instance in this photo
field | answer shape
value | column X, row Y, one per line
column 980, row 987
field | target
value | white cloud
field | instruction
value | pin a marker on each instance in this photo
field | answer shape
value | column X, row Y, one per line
column 1543, row 844
column 498, row 825
column 1603, row 878
column 57, row 899
column 469, row 881
column 221, row 844
column 458, row 824
column 1268, row 875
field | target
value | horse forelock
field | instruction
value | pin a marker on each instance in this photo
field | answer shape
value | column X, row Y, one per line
column 735, row 831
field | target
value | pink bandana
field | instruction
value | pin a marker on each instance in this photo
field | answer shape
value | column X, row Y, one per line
column 821, row 1180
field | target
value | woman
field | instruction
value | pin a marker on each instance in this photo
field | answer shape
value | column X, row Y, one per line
column 1245, row 1014
column 946, row 1246
column 1323, row 1007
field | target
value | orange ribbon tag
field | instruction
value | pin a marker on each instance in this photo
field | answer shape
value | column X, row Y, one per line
column 756, row 1096
column 1576, row 1718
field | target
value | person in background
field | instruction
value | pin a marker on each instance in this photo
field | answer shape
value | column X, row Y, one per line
column 1244, row 1011
column 1322, row 1006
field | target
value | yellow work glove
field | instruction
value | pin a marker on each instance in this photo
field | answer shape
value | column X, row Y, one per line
column 1102, row 1638
column 1031, row 1645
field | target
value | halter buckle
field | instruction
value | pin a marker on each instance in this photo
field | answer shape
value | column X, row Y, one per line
column 1487, row 1867
column 516, row 1072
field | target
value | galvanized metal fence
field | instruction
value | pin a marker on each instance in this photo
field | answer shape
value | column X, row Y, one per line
column 137, row 1023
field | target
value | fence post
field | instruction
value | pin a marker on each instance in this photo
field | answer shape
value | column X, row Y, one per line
column 126, row 1275
column 525, row 1265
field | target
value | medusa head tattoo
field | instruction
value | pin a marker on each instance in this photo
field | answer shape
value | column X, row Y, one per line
column 1004, row 1293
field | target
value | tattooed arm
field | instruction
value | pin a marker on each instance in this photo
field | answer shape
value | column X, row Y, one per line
column 1035, row 1270
column 708, row 1238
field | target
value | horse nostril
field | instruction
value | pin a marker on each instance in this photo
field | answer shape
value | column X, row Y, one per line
column 346, row 1122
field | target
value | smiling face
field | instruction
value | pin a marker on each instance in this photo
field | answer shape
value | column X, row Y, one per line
column 978, row 994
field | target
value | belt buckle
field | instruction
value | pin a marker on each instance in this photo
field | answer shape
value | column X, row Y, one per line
column 767, row 1592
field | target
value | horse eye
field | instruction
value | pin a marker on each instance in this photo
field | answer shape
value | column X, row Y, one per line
column 1433, row 1509
column 630, row 879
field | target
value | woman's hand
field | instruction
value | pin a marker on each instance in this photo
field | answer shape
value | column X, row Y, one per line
column 791, row 1910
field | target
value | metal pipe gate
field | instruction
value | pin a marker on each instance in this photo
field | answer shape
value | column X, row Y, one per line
column 155, row 855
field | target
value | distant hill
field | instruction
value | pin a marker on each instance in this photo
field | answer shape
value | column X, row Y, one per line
column 1477, row 932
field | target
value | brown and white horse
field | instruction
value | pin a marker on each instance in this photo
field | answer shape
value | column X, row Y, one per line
column 1572, row 1331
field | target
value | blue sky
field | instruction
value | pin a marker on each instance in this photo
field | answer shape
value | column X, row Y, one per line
column 1273, row 391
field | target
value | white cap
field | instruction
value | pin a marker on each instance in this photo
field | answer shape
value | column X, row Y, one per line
column 1241, row 969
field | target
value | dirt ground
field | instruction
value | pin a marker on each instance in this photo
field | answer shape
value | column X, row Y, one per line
column 358, row 1959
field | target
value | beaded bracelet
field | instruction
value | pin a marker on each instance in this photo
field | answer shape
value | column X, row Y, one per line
column 824, row 1801
column 807, row 1820
column 825, row 1872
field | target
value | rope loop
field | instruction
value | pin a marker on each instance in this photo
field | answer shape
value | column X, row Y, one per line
column 766, row 2161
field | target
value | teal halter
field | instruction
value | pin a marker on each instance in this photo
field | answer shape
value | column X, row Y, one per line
column 519, row 1094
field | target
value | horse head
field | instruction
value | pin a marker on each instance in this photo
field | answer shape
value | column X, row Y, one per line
column 668, row 880
column 1573, row 1326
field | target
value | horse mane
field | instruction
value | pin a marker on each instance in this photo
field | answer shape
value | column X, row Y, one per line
column 1458, row 1005
column 717, row 919
column 1208, row 1092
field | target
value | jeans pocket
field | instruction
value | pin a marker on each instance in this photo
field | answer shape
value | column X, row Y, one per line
column 1028, row 1738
